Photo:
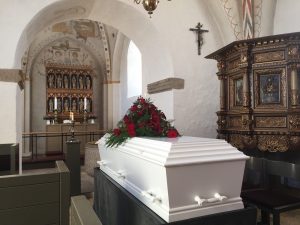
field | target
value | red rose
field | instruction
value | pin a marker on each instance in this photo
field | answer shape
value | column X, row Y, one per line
column 142, row 100
column 117, row 131
column 131, row 130
column 172, row 133
column 155, row 117
column 134, row 108
column 126, row 119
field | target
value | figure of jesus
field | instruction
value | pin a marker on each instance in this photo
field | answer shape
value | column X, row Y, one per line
column 74, row 105
column 50, row 81
column 73, row 82
column 198, row 29
column 59, row 82
column 80, row 82
column 58, row 104
column 81, row 105
column 66, row 105
column 66, row 82
column 50, row 105
column 88, row 83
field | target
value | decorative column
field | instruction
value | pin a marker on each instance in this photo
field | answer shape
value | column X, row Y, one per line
column 222, row 92
column 294, row 85
column 222, row 78
column 246, row 99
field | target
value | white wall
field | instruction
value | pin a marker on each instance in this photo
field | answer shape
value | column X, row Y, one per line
column 168, row 47
column 287, row 16
column 11, row 113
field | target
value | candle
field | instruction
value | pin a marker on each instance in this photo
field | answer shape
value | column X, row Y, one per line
column 71, row 116
column 55, row 103
column 85, row 103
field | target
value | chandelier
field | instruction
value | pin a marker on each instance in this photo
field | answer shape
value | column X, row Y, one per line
column 149, row 5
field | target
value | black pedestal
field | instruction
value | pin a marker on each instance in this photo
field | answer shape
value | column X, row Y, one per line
column 116, row 206
column 73, row 163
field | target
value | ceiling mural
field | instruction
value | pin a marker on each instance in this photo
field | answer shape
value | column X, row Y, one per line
column 244, row 17
column 65, row 41
column 83, row 29
column 66, row 52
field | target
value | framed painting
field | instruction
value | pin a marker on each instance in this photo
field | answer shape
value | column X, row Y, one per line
column 269, row 88
column 238, row 92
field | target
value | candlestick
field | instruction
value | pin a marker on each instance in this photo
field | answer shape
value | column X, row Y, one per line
column 85, row 103
column 55, row 103
column 71, row 116
column 55, row 116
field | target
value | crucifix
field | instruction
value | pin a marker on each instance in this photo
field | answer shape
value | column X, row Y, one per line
column 198, row 29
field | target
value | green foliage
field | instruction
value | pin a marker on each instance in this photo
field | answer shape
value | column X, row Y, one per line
column 142, row 119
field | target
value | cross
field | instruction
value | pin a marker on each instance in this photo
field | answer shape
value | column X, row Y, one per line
column 199, row 32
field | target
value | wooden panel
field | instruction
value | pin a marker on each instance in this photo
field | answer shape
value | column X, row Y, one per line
column 21, row 180
column 82, row 212
column 268, row 56
column 33, row 215
column 64, row 192
column 53, row 143
column 270, row 122
column 20, row 196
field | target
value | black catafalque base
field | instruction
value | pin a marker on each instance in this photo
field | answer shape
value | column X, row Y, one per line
column 116, row 206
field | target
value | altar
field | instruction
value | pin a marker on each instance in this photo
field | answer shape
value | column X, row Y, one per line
column 116, row 206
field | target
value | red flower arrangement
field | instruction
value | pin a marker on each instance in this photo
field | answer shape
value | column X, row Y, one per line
column 142, row 119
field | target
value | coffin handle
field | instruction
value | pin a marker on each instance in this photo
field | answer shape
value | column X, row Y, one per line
column 151, row 196
column 121, row 174
column 102, row 163
column 217, row 198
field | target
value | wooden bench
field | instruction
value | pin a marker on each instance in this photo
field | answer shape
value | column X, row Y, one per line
column 36, row 198
column 272, row 196
column 8, row 158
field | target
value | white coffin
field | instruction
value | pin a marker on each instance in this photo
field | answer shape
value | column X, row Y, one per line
column 178, row 178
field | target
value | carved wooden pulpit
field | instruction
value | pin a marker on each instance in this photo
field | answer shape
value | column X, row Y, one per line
column 259, row 93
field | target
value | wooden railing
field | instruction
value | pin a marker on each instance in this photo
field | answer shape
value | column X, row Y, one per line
column 33, row 138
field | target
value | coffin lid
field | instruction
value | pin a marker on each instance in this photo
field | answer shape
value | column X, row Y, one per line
column 177, row 151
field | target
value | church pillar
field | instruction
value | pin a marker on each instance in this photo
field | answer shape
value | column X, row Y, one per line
column 27, row 112
column 111, row 108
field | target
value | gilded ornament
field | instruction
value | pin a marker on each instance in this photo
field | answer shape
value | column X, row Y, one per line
column 235, row 122
column 293, row 50
column 236, row 141
column 294, row 122
column 295, row 142
column 244, row 58
column 294, row 97
column 270, row 122
column 246, row 122
column 273, row 143
column 250, row 142
column 269, row 56
column 221, row 123
column 220, row 65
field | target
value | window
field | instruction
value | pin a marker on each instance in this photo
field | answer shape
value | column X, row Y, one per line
column 134, row 71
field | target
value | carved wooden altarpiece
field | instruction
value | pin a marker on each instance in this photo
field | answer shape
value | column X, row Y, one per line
column 70, row 85
column 259, row 93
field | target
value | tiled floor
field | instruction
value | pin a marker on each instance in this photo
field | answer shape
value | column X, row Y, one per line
column 290, row 218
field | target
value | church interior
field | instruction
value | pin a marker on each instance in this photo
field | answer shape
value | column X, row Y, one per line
column 224, row 71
